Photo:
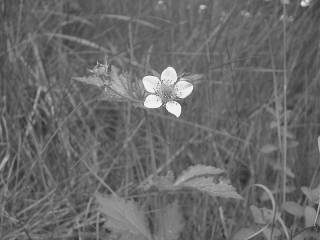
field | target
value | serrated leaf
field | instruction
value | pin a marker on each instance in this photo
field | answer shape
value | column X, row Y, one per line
column 161, row 183
column 257, row 215
column 261, row 215
column 267, row 214
column 206, row 185
column 243, row 233
column 197, row 171
column 116, row 85
column 123, row 215
column 268, row 148
column 172, row 222
column 293, row 208
column 119, row 82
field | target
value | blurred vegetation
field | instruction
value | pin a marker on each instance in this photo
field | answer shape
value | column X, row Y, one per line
column 59, row 142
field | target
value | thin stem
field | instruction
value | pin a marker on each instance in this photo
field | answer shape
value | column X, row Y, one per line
column 318, row 208
column 129, row 104
column 277, row 109
column 285, row 83
column 157, row 201
column 127, row 125
column 151, row 146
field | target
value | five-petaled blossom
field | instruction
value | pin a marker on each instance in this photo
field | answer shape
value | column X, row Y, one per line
column 166, row 90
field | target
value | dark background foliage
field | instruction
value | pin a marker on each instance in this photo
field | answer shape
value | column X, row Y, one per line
column 59, row 141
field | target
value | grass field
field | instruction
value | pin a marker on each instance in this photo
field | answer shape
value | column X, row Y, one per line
column 254, row 112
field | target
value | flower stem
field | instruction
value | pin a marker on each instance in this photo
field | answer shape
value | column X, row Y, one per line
column 151, row 146
column 157, row 200
column 285, row 83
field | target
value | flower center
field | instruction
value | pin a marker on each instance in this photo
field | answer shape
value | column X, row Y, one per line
column 166, row 93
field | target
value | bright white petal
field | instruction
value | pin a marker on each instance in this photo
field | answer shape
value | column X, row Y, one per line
column 151, row 83
column 169, row 76
column 152, row 101
column 183, row 89
column 174, row 108
column 305, row 3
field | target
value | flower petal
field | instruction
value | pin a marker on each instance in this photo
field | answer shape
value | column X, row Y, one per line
column 152, row 101
column 151, row 83
column 169, row 76
column 174, row 108
column 183, row 89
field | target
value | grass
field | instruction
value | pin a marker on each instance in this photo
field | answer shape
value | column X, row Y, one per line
column 60, row 143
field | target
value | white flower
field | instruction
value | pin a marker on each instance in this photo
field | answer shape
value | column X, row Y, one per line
column 202, row 8
column 245, row 13
column 166, row 90
column 305, row 3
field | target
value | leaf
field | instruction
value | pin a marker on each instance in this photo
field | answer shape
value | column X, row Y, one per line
column 206, row 185
column 257, row 215
column 293, row 208
column 172, row 222
column 116, row 85
column 197, row 171
column 307, row 191
column 309, row 216
column 262, row 215
column 276, row 233
column 119, row 82
column 312, row 194
column 99, row 75
column 268, row 148
column 279, row 167
column 123, row 216
column 243, row 233
column 301, row 236
column 267, row 214
column 91, row 80
column 161, row 183
column 307, row 234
